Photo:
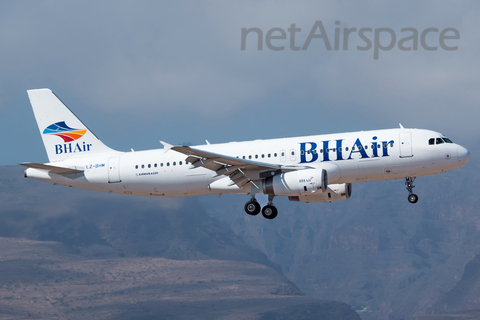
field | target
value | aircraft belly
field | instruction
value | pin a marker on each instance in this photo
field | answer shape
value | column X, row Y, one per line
column 168, row 184
column 197, row 182
column 370, row 169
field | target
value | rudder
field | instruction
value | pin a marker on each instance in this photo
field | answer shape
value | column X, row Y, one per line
column 63, row 134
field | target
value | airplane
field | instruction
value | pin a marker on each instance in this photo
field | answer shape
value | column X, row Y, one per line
column 319, row 168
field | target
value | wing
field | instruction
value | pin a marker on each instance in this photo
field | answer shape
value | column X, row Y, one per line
column 237, row 169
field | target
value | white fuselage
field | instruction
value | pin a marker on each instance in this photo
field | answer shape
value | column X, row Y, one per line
column 347, row 157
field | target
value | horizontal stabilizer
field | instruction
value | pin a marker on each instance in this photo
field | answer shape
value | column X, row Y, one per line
column 54, row 169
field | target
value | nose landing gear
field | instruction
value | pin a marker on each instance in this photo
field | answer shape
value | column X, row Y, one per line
column 412, row 198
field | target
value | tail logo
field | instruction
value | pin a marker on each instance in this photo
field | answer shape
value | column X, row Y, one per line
column 63, row 131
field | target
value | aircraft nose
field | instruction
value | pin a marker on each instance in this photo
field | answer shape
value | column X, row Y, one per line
column 463, row 155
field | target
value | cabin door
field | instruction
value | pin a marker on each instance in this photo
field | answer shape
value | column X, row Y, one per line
column 406, row 145
column 114, row 170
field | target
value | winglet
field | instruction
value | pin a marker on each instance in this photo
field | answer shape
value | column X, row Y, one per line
column 401, row 127
column 166, row 146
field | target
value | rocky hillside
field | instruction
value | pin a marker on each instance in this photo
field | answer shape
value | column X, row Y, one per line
column 465, row 295
column 466, row 315
column 50, row 280
column 71, row 253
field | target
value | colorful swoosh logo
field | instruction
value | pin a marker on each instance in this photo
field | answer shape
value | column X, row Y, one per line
column 63, row 131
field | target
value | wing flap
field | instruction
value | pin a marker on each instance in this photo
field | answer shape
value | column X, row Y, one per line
column 228, row 165
column 221, row 159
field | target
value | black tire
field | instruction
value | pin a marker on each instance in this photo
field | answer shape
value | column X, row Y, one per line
column 252, row 207
column 413, row 198
column 269, row 212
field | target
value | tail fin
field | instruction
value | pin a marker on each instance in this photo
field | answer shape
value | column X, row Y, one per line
column 63, row 134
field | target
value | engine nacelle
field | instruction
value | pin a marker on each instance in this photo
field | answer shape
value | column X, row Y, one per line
column 294, row 183
column 334, row 192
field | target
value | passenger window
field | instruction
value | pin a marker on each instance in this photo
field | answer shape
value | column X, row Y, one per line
column 303, row 152
column 168, row 164
column 180, row 163
column 314, row 151
column 263, row 156
column 340, row 149
column 249, row 157
column 243, row 157
column 333, row 149
column 346, row 149
column 256, row 156
column 327, row 150
column 293, row 153
column 321, row 150
column 283, row 154
column 275, row 154
column 391, row 145
column 360, row 147
column 385, row 145
column 366, row 147
column 136, row 167
column 155, row 165
column 269, row 155
column 143, row 166
column 431, row 141
column 149, row 165
column 353, row 148
column 439, row 141
column 174, row 163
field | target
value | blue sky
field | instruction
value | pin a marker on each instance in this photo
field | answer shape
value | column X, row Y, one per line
column 141, row 71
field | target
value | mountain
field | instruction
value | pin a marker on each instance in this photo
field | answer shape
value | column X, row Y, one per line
column 465, row 315
column 50, row 280
column 466, row 292
column 72, row 253
column 375, row 251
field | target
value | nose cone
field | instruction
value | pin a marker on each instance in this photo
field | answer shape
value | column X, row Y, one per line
column 463, row 155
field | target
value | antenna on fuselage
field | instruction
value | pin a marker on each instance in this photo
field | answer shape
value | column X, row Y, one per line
column 401, row 127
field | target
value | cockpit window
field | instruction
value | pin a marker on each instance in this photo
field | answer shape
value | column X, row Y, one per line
column 439, row 140
column 431, row 141
column 447, row 140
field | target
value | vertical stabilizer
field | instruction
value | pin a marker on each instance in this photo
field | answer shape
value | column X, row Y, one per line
column 63, row 134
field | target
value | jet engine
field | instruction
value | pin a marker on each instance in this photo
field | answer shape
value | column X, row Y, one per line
column 296, row 183
column 334, row 192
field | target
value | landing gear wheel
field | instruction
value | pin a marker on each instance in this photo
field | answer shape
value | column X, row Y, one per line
column 269, row 212
column 252, row 207
column 413, row 198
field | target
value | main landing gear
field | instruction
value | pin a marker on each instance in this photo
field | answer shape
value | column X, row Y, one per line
column 252, row 207
column 412, row 198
